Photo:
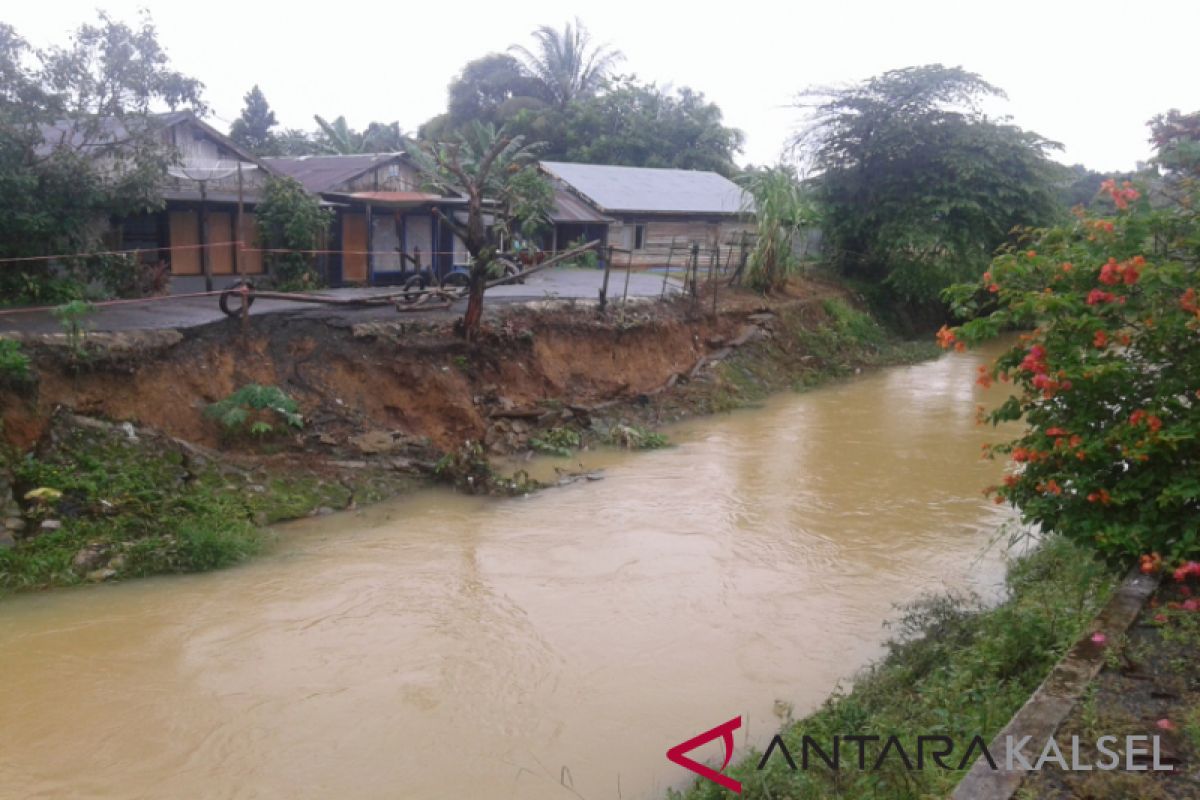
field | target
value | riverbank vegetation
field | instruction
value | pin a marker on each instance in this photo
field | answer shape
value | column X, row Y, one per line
column 953, row 668
column 104, row 502
column 1107, row 381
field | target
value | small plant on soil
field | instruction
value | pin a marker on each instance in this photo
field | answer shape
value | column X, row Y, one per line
column 556, row 442
column 14, row 364
column 72, row 317
column 635, row 437
column 249, row 409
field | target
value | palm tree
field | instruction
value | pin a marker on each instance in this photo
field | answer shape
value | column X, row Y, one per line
column 338, row 138
column 565, row 62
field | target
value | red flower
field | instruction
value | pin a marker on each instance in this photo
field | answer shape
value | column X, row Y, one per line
column 1100, row 340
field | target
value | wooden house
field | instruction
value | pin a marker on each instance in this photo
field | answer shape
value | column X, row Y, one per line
column 385, row 226
column 646, row 211
column 210, row 196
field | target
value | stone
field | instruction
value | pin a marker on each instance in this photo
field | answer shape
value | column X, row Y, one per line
column 101, row 575
column 377, row 441
column 321, row 511
column 117, row 562
column 127, row 429
column 88, row 559
column 50, row 525
column 7, row 541
column 14, row 524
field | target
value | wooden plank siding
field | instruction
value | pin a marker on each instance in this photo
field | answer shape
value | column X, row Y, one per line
column 659, row 234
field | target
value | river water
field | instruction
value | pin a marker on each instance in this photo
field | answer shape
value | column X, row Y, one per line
column 554, row 646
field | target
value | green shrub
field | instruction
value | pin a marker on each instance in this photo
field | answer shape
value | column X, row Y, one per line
column 14, row 364
column 243, row 411
column 556, row 442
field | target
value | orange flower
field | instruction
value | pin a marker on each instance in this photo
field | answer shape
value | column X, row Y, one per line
column 1100, row 340
column 945, row 337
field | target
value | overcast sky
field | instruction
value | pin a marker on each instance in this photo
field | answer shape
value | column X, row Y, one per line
column 1087, row 74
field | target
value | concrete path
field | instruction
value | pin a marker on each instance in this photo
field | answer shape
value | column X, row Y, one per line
column 185, row 312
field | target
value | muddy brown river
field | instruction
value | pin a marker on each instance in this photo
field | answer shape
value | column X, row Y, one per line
column 554, row 646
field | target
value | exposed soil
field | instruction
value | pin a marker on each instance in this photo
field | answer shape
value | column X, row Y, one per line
column 385, row 387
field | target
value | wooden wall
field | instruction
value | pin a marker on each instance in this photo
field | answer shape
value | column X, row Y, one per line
column 659, row 234
column 183, row 227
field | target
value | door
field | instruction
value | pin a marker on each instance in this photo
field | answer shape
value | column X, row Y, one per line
column 418, row 234
column 184, row 235
column 251, row 259
column 220, row 234
column 354, row 248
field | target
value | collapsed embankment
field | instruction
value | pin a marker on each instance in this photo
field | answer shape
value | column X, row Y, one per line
column 384, row 404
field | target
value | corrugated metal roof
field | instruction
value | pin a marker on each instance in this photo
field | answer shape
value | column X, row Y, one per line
column 644, row 189
column 326, row 173
column 570, row 209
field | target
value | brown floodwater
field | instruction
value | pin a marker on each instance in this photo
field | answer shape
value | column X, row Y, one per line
column 553, row 646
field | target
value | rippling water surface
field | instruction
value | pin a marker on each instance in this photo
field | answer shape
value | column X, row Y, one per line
column 441, row 646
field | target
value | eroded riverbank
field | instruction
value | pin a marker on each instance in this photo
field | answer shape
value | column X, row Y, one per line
column 448, row 646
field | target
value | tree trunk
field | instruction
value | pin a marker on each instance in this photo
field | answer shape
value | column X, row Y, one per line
column 474, row 315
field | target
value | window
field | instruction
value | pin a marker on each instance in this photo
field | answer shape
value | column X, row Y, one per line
column 639, row 237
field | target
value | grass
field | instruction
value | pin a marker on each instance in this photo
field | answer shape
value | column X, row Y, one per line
column 147, row 509
column 953, row 668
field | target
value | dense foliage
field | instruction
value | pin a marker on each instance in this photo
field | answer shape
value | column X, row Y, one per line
column 563, row 92
column 64, row 112
column 289, row 218
column 919, row 187
column 1108, row 380
column 252, row 128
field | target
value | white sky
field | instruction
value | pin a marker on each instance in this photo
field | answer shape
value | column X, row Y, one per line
column 1087, row 74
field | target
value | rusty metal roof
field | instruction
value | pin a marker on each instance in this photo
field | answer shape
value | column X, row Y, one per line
column 326, row 173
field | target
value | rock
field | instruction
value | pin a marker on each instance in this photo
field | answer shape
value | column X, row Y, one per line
column 50, row 525
column 127, row 429
column 257, row 488
column 101, row 575
column 260, row 518
column 378, row 441
column 14, row 524
column 117, row 562
column 321, row 511
column 349, row 464
column 88, row 559
column 6, row 540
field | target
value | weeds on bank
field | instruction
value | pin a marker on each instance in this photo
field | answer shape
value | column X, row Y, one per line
column 560, row 442
column 953, row 668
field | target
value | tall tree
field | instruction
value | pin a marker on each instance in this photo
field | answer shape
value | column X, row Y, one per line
column 483, row 162
column 919, row 186
column 638, row 125
column 566, row 63
column 252, row 129
column 486, row 87
column 67, row 114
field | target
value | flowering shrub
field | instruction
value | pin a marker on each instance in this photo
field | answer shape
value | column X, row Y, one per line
column 1107, row 376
